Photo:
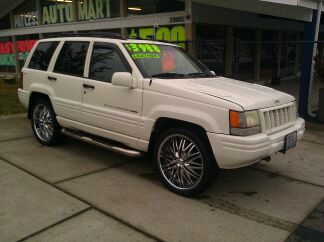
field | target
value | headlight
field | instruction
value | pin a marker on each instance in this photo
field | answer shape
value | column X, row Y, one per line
column 244, row 123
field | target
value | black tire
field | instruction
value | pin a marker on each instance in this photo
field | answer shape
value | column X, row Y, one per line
column 53, row 135
column 183, row 164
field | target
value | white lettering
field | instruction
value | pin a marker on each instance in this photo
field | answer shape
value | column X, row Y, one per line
column 25, row 20
column 46, row 19
column 17, row 22
column 60, row 8
column 91, row 11
column 83, row 10
column 99, row 9
column 69, row 12
column 88, row 9
column 53, row 14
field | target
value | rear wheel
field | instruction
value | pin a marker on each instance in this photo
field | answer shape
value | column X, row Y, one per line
column 44, row 124
column 185, row 163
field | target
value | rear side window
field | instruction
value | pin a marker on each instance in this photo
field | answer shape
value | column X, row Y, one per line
column 43, row 55
column 72, row 58
column 105, row 61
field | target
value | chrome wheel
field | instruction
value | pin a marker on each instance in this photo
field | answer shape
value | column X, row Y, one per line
column 43, row 122
column 180, row 162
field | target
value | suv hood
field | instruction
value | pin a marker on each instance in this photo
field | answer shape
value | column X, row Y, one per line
column 249, row 96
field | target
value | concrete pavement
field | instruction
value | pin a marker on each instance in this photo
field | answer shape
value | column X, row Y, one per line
column 28, row 205
column 78, row 192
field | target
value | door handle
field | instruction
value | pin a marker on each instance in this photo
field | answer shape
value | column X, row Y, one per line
column 51, row 78
column 87, row 86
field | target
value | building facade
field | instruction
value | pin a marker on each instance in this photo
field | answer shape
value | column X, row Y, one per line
column 251, row 40
column 212, row 31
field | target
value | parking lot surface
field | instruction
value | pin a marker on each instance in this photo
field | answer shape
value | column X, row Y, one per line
column 79, row 192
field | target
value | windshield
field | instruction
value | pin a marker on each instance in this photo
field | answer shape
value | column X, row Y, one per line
column 165, row 61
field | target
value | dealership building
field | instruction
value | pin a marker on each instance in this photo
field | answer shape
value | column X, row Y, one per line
column 251, row 40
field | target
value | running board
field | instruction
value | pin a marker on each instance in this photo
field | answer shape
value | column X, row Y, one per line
column 103, row 143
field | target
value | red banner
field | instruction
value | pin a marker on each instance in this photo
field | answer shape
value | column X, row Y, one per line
column 22, row 46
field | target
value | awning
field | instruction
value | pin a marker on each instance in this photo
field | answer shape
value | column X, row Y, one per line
column 7, row 5
column 301, row 10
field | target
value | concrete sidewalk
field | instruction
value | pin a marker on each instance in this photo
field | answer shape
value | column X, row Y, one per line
column 78, row 192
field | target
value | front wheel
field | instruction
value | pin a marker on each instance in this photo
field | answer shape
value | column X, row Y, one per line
column 44, row 124
column 184, row 161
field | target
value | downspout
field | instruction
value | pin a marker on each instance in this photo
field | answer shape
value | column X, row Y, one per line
column 317, row 27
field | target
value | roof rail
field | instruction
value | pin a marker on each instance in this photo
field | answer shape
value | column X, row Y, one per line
column 89, row 34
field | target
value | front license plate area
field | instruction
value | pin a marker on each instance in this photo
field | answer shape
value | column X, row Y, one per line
column 290, row 141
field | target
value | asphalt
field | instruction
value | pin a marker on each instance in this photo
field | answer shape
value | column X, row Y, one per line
column 79, row 192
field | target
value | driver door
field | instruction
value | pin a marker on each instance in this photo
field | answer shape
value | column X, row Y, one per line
column 113, row 108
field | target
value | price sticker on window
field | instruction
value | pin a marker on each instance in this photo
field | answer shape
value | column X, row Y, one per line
column 143, row 50
column 146, row 56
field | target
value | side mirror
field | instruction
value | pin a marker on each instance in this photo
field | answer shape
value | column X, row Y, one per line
column 122, row 79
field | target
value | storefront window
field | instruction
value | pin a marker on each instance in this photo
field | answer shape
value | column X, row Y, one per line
column 268, row 55
column 25, row 15
column 244, row 65
column 288, row 54
column 24, row 45
column 7, row 56
column 141, row 7
column 211, row 47
column 7, row 59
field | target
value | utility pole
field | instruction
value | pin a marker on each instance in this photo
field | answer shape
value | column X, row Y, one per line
column 311, row 81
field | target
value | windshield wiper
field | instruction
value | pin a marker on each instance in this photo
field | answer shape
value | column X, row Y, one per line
column 169, row 74
column 199, row 74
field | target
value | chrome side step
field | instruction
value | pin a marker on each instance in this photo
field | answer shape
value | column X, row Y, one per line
column 103, row 143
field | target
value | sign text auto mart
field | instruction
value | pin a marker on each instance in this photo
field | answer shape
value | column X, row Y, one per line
column 61, row 13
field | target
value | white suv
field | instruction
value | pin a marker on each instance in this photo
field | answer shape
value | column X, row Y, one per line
column 134, row 96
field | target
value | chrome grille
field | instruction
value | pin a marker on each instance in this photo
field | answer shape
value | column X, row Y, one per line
column 278, row 118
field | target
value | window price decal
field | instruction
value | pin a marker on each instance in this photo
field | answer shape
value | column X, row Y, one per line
column 143, row 51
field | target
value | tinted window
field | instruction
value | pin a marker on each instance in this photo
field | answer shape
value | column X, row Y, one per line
column 42, row 55
column 72, row 58
column 105, row 61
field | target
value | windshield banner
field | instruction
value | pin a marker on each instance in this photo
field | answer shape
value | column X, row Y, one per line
column 141, row 51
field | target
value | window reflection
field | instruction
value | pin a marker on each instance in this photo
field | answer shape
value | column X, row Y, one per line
column 42, row 55
column 72, row 58
column 105, row 61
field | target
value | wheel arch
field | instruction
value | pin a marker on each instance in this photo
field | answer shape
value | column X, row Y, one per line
column 164, row 123
column 36, row 96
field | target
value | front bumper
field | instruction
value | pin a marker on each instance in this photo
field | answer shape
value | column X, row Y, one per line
column 236, row 151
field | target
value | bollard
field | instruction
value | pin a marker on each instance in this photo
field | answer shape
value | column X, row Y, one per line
column 320, row 114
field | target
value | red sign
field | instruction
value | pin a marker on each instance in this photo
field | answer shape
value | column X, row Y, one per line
column 167, row 61
column 22, row 46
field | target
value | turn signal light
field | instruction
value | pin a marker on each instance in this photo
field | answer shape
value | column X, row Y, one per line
column 234, row 119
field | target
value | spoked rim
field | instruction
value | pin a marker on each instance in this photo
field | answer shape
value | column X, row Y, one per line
column 43, row 122
column 180, row 162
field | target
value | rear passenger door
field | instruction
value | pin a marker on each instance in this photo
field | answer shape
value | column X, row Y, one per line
column 106, row 106
column 66, row 78
column 35, row 74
